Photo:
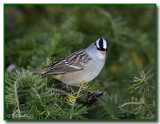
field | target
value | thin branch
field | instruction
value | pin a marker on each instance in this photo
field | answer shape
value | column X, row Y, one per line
column 75, row 101
column 58, row 90
column 38, row 96
column 59, row 107
column 34, row 90
column 77, row 95
column 128, row 103
column 16, row 94
column 136, row 103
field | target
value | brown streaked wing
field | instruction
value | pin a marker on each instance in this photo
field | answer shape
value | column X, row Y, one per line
column 74, row 62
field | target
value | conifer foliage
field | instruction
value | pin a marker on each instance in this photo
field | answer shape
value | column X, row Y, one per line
column 37, row 35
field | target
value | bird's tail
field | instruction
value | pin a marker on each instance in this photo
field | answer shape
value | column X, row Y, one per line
column 35, row 70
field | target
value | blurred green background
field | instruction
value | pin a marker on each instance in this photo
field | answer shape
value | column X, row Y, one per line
column 34, row 33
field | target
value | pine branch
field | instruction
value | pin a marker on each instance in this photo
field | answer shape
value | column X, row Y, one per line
column 128, row 103
column 141, row 85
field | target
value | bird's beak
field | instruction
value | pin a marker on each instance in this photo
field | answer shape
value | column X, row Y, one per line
column 104, row 52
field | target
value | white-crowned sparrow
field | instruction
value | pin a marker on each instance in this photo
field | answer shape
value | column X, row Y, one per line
column 81, row 65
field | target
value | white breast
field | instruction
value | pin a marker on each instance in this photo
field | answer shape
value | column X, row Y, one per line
column 95, row 65
column 93, row 69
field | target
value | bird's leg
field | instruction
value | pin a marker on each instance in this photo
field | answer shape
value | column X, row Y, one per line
column 69, row 88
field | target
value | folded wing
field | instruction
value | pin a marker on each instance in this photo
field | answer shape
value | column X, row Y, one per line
column 74, row 62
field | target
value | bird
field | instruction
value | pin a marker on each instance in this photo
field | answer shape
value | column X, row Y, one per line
column 83, row 65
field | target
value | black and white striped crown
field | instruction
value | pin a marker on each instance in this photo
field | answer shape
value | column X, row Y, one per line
column 102, row 44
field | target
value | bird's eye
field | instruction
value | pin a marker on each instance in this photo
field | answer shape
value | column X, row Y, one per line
column 101, row 49
column 98, row 48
